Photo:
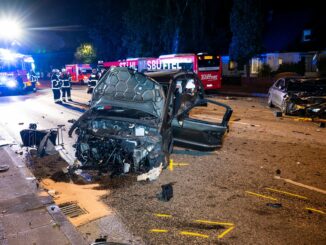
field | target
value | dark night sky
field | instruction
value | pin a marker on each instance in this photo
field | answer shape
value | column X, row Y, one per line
column 60, row 26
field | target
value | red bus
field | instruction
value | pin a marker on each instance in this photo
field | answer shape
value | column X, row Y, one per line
column 79, row 73
column 131, row 62
column 208, row 67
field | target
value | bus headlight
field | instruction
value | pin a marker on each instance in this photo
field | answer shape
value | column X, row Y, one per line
column 11, row 84
column 3, row 79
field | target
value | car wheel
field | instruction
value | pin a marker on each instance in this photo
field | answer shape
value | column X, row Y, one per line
column 269, row 101
column 285, row 107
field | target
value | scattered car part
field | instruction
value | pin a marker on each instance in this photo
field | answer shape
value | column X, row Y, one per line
column 274, row 205
column 4, row 168
column 166, row 194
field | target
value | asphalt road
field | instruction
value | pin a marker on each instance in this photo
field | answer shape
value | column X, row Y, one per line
column 229, row 196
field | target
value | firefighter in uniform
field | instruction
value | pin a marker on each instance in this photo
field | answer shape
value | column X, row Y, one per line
column 33, row 79
column 93, row 79
column 56, row 86
column 66, row 86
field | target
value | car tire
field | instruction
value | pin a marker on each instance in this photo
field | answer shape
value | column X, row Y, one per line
column 269, row 101
column 285, row 108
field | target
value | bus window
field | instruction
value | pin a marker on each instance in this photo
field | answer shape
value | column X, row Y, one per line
column 208, row 64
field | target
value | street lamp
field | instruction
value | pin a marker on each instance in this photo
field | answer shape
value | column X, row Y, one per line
column 10, row 29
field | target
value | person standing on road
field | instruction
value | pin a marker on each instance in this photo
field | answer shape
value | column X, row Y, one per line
column 93, row 79
column 56, row 86
column 33, row 79
column 66, row 85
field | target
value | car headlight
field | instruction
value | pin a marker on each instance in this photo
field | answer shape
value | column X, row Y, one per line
column 316, row 109
column 11, row 83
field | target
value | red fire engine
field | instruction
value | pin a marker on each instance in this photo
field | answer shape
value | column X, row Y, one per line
column 79, row 73
column 208, row 67
column 15, row 71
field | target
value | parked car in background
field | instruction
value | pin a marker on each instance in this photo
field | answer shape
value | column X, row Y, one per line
column 300, row 96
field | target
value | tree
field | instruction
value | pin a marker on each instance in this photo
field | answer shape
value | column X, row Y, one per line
column 85, row 53
column 246, row 28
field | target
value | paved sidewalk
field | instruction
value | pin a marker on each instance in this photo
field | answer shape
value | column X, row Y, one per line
column 27, row 214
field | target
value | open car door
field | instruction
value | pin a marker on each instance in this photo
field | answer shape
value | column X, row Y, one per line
column 202, row 128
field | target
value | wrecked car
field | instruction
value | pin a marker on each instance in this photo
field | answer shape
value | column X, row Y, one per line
column 299, row 96
column 135, row 119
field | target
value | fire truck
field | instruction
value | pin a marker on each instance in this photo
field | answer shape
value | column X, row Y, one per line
column 208, row 67
column 79, row 73
column 15, row 72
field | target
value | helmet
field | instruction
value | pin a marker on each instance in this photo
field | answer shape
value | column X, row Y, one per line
column 55, row 70
column 63, row 70
column 94, row 70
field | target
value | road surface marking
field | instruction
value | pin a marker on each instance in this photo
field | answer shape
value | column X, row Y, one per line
column 212, row 222
column 225, row 232
column 301, row 185
column 286, row 193
column 187, row 233
column 259, row 195
column 163, row 215
column 172, row 165
column 158, row 230
column 316, row 210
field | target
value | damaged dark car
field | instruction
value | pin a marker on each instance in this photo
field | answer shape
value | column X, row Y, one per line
column 299, row 96
column 135, row 119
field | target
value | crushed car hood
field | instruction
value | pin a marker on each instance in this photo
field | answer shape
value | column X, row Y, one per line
column 122, row 87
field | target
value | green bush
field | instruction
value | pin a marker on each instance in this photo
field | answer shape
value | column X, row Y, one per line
column 292, row 67
column 265, row 71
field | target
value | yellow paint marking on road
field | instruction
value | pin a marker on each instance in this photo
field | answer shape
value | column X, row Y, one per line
column 180, row 164
column 259, row 195
column 172, row 165
column 315, row 210
column 158, row 230
column 163, row 215
column 286, row 193
column 188, row 233
column 225, row 232
column 213, row 222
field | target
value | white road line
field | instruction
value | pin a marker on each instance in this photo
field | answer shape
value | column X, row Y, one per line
column 302, row 185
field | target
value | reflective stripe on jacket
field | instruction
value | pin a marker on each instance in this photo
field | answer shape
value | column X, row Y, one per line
column 55, row 82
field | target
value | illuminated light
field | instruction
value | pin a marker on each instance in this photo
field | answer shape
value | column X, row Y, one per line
column 10, row 29
column 28, row 84
column 3, row 79
column 7, row 55
column 29, row 59
column 208, row 57
column 11, row 84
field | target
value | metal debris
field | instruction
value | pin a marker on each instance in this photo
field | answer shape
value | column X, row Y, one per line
column 166, row 194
